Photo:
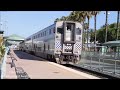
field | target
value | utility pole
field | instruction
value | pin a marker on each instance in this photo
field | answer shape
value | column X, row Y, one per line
column 118, row 16
column 106, row 26
column 0, row 21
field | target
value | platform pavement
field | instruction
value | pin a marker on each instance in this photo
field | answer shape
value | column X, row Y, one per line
column 40, row 68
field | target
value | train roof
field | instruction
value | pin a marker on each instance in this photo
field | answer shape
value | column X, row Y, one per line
column 50, row 26
column 68, row 21
column 39, row 31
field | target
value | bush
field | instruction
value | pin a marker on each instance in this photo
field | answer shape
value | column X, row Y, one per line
column 2, row 49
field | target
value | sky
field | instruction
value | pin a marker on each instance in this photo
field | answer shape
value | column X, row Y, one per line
column 26, row 23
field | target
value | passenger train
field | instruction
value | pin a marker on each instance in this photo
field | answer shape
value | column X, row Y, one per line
column 60, row 42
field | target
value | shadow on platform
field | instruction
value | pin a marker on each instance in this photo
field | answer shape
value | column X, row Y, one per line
column 26, row 56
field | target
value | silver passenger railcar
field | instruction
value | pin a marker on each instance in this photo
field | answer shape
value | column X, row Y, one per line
column 61, row 42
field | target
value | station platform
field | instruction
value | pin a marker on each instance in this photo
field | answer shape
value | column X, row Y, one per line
column 21, row 65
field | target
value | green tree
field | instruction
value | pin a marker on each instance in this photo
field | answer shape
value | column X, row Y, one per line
column 57, row 19
column 111, row 33
column 2, row 48
column 88, row 15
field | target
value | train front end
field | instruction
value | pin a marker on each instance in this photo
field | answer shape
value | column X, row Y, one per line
column 68, row 42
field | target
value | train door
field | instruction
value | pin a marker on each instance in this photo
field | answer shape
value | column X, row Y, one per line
column 69, row 29
column 68, row 37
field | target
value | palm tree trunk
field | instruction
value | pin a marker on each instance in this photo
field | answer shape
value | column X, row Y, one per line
column 83, row 36
column 106, row 26
column 95, row 30
column 87, row 33
column 118, row 24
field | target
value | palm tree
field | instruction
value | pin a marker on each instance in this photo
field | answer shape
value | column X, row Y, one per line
column 76, row 16
column 63, row 18
column 88, row 14
column 118, row 16
column 80, row 17
column 84, row 27
column 95, row 17
column 57, row 19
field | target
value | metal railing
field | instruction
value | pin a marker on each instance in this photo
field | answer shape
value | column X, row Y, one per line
column 108, row 63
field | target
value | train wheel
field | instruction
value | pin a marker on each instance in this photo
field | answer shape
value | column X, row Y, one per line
column 58, row 61
column 67, row 61
column 61, row 60
column 47, row 57
column 75, row 61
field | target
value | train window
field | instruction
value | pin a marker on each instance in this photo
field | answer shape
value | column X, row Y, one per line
column 68, row 27
column 40, row 48
column 41, row 34
column 44, row 47
column 38, row 35
column 53, row 30
column 48, row 47
column 50, row 31
column 59, row 30
column 78, row 31
column 34, row 45
column 45, row 33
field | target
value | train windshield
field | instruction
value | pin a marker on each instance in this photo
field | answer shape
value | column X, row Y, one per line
column 78, row 31
column 59, row 30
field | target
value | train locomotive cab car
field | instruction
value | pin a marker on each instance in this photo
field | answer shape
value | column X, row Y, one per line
column 60, row 42
column 68, row 42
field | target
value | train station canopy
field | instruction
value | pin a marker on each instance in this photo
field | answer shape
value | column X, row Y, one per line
column 15, row 37
column 112, row 43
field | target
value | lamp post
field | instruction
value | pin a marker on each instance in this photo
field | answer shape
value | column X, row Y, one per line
column 0, row 21
column 1, row 32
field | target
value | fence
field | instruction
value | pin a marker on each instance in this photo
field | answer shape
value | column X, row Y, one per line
column 3, row 65
column 108, row 63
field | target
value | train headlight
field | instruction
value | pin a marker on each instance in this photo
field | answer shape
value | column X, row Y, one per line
column 57, row 51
